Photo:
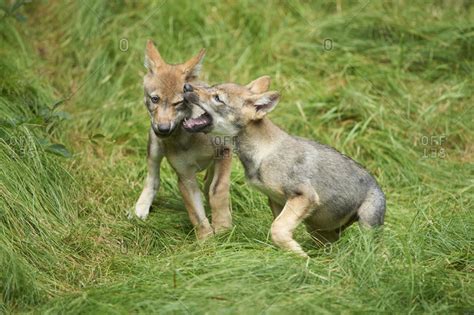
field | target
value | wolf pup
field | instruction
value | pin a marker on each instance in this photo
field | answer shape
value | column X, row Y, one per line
column 187, row 153
column 304, row 180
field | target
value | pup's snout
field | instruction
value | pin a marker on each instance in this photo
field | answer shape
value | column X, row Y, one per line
column 191, row 97
column 162, row 129
column 188, row 88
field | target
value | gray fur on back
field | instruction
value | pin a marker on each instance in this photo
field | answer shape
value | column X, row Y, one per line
column 342, row 185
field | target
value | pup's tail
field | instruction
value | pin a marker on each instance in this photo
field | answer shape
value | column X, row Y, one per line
column 372, row 211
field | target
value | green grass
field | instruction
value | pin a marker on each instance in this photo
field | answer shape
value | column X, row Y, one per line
column 396, row 86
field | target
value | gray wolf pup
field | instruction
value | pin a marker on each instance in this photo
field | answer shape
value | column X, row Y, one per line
column 304, row 180
column 187, row 153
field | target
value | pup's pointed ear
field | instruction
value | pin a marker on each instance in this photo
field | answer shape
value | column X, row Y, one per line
column 153, row 59
column 259, row 85
column 264, row 103
column 192, row 67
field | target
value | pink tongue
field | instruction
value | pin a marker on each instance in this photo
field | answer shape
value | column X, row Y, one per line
column 194, row 122
column 187, row 124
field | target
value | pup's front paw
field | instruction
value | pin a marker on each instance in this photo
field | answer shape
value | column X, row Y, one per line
column 203, row 233
column 222, row 220
column 142, row 210
column 221, row 227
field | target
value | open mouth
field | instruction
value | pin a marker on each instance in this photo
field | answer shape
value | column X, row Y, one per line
column 199, row 120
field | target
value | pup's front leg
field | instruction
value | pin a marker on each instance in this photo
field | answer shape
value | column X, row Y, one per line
column 219, row 193
column 192, row 200
column 152, row 182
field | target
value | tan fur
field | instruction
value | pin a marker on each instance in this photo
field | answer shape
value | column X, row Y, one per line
column 219, row 194
column 294, row 212
column 304, row 180
column 259, row 85
column 187, row 153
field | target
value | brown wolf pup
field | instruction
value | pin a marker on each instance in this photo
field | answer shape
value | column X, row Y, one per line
column 305, row 181
column 187, row 153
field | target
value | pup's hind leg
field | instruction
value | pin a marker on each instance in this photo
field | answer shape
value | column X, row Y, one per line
column 276, row 208
column 327, row 237
column 324, row 237
column 295, row 211
column 372, row 211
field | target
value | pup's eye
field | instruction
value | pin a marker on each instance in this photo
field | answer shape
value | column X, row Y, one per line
column 155, row 99
column 217, row 99
column 178, row 103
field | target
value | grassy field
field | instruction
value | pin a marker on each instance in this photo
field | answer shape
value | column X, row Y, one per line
column 389, row 83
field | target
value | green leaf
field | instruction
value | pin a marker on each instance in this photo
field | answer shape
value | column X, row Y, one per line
column 20, row 17
column 61, row 115
column 59, row 149
column 98, row 136
column 37, row 120
column 45, row 113
column 93, row 138
column 43, row 141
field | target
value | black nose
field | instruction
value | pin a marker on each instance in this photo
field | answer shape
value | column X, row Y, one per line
column 162, row 128
column 187, row 88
